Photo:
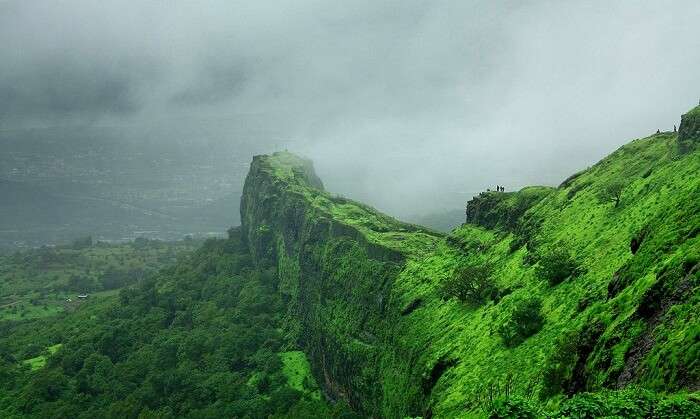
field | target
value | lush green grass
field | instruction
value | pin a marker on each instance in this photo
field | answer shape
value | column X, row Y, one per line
column 28, row 312
column 662, row 192
column 38, row 283
column 39, row 362
column 296, row 368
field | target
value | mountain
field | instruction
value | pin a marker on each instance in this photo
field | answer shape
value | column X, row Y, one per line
column 589, row 287
column 575, row 301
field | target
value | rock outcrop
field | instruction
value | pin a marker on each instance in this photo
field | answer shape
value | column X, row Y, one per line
column 689, row 131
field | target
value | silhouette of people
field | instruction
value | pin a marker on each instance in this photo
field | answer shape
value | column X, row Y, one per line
column 674, row 128
column 658, row 131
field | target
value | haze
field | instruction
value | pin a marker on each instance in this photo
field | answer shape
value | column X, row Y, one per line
column 411, row 106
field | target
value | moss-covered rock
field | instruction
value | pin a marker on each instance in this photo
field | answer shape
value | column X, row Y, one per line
column 504, row 209
column 689, row 131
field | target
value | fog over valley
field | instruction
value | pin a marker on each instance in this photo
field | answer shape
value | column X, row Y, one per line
column 153, row 111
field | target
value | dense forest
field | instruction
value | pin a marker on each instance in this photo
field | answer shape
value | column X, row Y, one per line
column 198, row 339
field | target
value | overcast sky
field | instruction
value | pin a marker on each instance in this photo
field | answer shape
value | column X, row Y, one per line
column 409, row 105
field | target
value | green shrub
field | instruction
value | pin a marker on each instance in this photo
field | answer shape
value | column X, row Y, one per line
column 557, row 265
column 513, row 408
column 565, row 367
column 560, row 364
column 628, row 403
column 677, row 407
column 470, row 284
column 612, row 192
column 524, row 321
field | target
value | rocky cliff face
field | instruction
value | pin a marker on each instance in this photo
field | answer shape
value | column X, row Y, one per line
column 337, row 261
column 503, row 209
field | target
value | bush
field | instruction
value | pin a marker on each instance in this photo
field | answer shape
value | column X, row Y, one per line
column 628, row 403
column 560, row 364
column 677, row 407
column 470, row 284
column 513, row 408
column 524, row 321
column 612, row 192
column 557, row 265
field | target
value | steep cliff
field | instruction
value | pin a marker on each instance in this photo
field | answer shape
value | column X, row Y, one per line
column 337, row 262
column 584, row 295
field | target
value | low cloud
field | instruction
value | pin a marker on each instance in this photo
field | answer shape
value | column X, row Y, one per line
column 411, row 105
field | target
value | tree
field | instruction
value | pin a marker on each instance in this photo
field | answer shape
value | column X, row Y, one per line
column 524, row 321
column 469, row 284
column 557, row 265
column 613, row 192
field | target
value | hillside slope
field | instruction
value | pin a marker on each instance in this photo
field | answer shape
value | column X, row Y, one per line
column 546, row 294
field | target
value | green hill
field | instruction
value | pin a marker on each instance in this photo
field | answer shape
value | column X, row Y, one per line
column 586, row 287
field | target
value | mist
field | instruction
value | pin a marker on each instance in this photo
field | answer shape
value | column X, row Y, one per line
column 411, row 106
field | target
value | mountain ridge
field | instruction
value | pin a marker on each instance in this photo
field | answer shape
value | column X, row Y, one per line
column 368, row 301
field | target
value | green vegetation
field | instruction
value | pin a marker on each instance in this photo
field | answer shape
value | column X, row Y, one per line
column 613, row 192
column 296, row 368
column 548, row 303
column 557, row 265
column 522, row 321
column 371, row 295
column 470, row 284
column 40, row 282
column 39, row 361
column 200, row 339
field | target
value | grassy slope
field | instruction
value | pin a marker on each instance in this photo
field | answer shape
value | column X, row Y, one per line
column 40, row 361
column 35, row 283
column 667, row 200
column 661, row 193
column 378, row 228
column 297, row 370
